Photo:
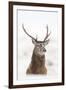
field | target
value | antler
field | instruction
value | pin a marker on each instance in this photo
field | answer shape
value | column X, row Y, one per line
column 27, row 33
column 47, row 35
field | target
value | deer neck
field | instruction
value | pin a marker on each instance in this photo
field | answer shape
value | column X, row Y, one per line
column 38, row 60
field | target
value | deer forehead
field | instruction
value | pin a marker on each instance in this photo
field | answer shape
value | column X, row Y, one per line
column 39, row 44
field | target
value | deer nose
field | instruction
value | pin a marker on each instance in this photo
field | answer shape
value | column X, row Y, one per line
column 44, row 50
column 40, row 45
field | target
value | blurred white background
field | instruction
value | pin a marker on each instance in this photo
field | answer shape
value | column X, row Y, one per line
column 35, row 23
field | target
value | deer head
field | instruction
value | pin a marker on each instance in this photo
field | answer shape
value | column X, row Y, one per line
column 39, row 45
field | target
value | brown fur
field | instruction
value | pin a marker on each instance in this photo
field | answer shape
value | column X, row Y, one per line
column 37, row 65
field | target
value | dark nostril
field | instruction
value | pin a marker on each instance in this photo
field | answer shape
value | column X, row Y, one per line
column 44, row 50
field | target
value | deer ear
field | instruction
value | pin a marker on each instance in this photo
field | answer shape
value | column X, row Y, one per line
column 33, row 41
column 46, row 42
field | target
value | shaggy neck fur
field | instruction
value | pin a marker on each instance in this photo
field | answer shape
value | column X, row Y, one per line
column 38, row 62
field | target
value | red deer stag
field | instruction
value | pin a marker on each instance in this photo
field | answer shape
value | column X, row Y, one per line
column 37, row 65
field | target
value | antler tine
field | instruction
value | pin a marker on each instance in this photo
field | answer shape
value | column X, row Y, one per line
column 26, row 32
column 47, row 35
